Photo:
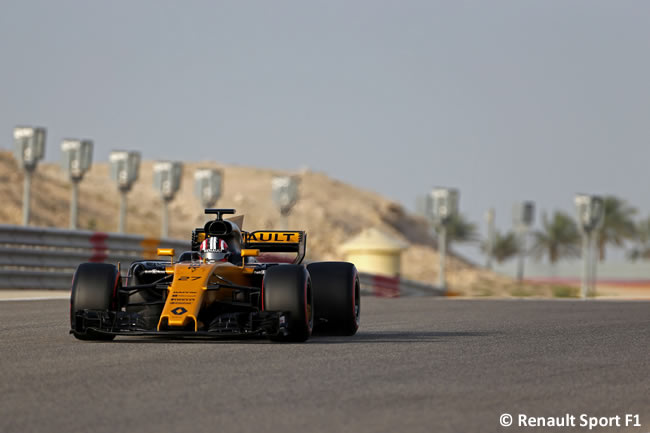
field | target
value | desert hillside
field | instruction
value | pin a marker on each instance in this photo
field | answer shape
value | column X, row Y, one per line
column 330, row 211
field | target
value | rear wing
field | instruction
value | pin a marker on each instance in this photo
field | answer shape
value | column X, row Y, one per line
column 277, row 241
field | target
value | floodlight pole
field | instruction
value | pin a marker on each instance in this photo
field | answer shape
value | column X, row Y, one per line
column 207, row 204
column 593, row 256
column 591, row 216
column 521, row 235
column 164, row 231
column 586, row 264
column 589, row 259
column 284, row 219
column 77, row 157
column 442, row 206
column 284, row 192
column 74, row 212
column 167, row 180
column 125, row 167
column 27, row 188
column 123, row 203
column 207, row 186
column 523, row 215
column 442, row 255
column 29, row 146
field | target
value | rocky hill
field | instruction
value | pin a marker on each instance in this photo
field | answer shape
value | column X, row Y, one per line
column 330, row 211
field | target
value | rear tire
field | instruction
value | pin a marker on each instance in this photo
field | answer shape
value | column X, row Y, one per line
column 336, row 297
column 94, row 287
column 287, row 288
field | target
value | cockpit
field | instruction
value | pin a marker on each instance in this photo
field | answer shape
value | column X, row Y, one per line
column 219, row 240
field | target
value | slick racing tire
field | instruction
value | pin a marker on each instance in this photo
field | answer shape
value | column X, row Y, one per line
column 94, row 287
column 287, row 288
column 336, row 297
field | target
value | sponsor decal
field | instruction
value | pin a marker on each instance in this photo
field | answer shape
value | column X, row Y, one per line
column 179, row 310
column 274, row 237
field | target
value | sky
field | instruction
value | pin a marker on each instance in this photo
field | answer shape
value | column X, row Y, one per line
column 504, row 100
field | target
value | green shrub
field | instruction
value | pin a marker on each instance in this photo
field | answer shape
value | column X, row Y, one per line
column 565, row 292
column 484, row 291
column 520, row 291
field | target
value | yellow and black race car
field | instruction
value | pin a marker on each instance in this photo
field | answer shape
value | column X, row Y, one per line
column 221, row 287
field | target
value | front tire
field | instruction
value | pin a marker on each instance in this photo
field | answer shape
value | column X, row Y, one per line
column 336, row 297
column 94, row 287
column 287, row 288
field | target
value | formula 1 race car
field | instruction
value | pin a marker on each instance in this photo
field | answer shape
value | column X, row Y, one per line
column 221, row 287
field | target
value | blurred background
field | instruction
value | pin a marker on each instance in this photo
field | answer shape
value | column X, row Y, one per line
column 369, row 105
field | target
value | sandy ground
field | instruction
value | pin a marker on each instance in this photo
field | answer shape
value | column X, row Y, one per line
column 611, row 292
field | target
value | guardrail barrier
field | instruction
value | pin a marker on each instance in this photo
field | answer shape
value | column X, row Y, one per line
column 392, row 287
column 45, row 258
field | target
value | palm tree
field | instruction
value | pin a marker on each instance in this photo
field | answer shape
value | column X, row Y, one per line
column 618, row 224
column 505, row 246
column 558, row 238
column 641, row 249
column 461, row 230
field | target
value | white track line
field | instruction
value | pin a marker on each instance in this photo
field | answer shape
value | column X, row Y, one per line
column 44, row 298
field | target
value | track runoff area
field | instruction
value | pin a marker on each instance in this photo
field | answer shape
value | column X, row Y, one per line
column 416, row 365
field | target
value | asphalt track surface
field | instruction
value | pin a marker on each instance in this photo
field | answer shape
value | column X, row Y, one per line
column 417, row 365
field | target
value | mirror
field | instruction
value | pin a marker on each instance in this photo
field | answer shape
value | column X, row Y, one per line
column 250, row 253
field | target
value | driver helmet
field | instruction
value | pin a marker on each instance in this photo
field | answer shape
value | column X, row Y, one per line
column 214, row 249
